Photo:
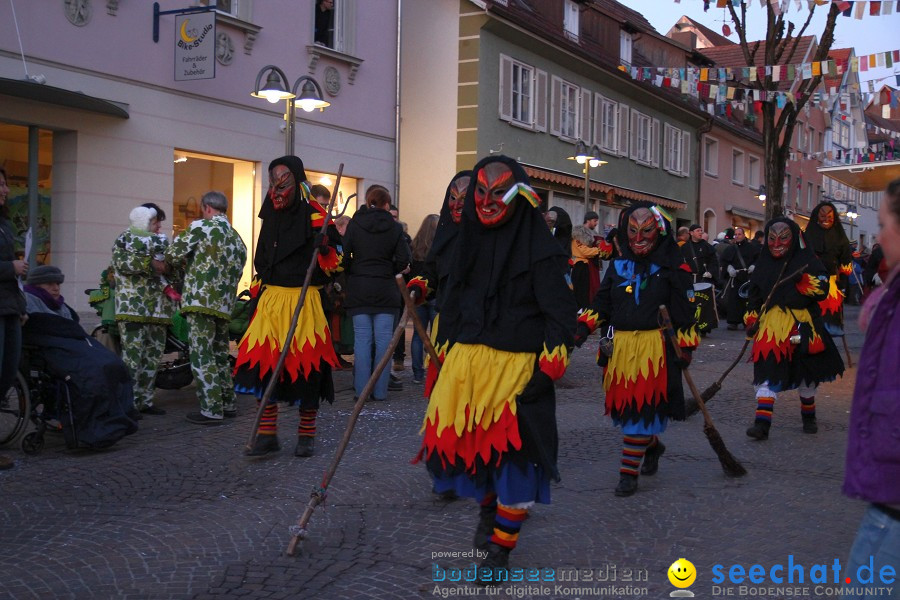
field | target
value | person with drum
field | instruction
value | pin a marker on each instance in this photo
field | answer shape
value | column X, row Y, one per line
column 738, row 260
column 641, row 374
column 701, row 258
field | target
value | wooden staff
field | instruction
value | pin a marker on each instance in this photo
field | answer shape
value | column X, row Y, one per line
column 729, row 463
column 417, row 322
column 318, row 495
column 279, row 366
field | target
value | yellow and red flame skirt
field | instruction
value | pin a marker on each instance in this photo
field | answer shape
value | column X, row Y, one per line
column 636, row 382
column 307, row 368
column 471, row 432
column 441, row 347
column 786, row 365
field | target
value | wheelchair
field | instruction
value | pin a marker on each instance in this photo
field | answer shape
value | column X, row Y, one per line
column 39, row 398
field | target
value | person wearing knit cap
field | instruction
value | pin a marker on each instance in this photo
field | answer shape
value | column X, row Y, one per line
column 143, row 310
column 702, row 259
column 587, row 251
column 289, row 237
column 42, row 292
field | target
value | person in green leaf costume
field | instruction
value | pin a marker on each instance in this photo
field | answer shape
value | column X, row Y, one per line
column 212, row 255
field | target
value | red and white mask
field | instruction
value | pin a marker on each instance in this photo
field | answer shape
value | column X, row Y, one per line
column 492, row 184
column 282, row 187
column 780, row 239
column 826, row 217
column 643, row 232
column 458, row 190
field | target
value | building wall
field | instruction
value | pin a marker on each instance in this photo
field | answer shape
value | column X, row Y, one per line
column 103, row 166
column 719, row 192
column 550, row 151
column 428, row 90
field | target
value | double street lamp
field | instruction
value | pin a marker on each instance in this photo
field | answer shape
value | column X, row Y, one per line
column 277, row 88
column 589, row 158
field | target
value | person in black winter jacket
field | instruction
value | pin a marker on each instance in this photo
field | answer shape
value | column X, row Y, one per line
column 374, row 251
column 12, row 302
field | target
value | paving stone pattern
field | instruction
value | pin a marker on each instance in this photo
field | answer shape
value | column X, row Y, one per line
column 175, row 511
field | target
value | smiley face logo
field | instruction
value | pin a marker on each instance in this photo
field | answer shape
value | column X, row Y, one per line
column 682, row 573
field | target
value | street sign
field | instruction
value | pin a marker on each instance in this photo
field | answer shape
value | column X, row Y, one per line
column 195, row 46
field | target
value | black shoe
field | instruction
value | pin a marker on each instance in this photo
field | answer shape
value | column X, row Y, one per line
column 133, row 414
column 809, row 424
column 497, row 560
column 759, row 430
column 627, row 485
column 344, row 364
column 152, row 410
column 486, row 520
column 230, row 414
column 201, row 419
column 305, row 446
column 264, row 444
column 395, row 386
column 732, row 327
column 651, row 458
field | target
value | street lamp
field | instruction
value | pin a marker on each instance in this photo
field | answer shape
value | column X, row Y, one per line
column 761, row 194
column 276, row 89
column 852, row 215
column 588, row 158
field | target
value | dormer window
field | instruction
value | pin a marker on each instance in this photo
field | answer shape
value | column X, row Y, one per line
column 570, row 19
column 624, row 47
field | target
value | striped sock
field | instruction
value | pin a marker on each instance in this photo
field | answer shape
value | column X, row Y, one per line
column 268, row 424
column 489, row 500
column 507, row 524
column 633, row 449
column 764, row 407
column 808, row 407
column 307, row 425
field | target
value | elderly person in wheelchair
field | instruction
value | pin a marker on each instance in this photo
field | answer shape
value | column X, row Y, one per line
column 99, row 387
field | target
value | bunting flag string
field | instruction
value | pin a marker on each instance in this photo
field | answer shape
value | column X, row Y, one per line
column 789, row 72
column 849, row 8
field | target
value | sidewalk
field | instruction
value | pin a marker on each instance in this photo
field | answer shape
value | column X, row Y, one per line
column 175, row 511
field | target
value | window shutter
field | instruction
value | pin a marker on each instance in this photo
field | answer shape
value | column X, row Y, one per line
column 623, row 130
column 667, row 143
column 506, row 88
column 633, row 134
column 598, row 119
column 555, row 92
column 540, row 100
column 654, row 143
column 686, row 153
column 585, row 116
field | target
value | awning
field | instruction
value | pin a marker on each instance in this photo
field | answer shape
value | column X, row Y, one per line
column 743, row 212
column 866, row 177
column 612, row 191
column 61, row 97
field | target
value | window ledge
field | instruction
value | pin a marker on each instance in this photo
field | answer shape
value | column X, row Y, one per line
column 250, row 30
column 713, row 175
column 317, row 51
column 522, row 125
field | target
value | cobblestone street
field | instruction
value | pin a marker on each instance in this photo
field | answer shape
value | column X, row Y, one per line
column 175, row 510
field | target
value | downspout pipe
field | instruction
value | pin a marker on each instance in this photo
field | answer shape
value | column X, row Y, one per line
column 397, row 113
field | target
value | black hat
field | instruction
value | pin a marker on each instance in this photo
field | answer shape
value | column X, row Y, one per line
column 45, row 274
column 694, row 226
column 590, row 215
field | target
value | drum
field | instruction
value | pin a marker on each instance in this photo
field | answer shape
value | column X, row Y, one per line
column 705, row 312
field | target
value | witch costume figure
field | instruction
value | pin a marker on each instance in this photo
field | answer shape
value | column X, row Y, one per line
column 287, row 241
column 826, row 236
column 490, row 426
column 791, row 347
column 438, row 264
column 641, row 374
